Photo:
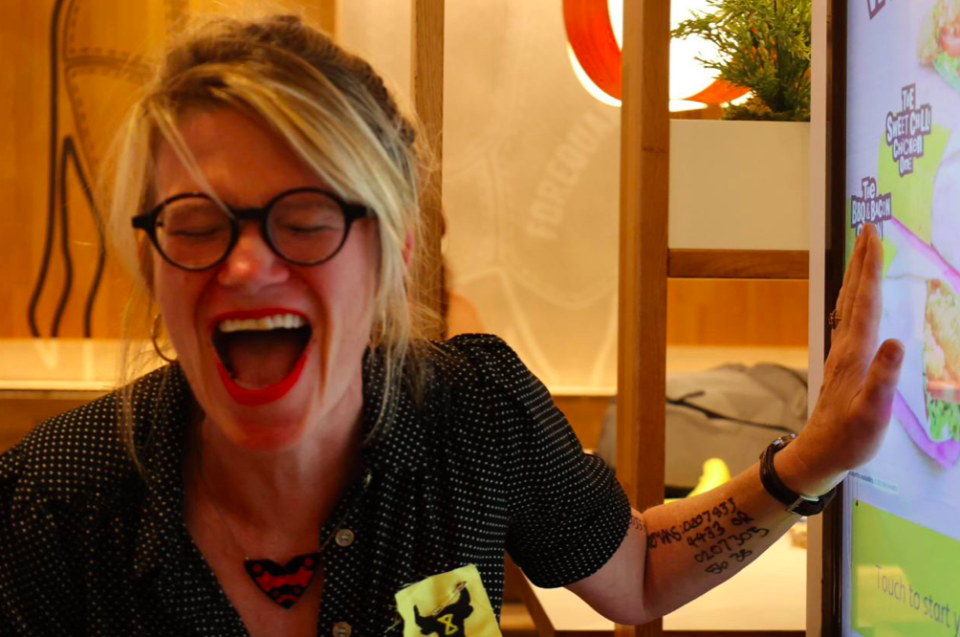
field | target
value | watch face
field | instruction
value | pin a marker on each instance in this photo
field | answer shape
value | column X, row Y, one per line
column 783, row 441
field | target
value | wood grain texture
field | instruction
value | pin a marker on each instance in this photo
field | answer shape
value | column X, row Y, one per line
column 738, row 264
column 24, row 410
column 427, row 87
column 644, row 191
column 737, row 312
column 327, row 16
column 81, row 96
column 585, row 415
column 544, row 624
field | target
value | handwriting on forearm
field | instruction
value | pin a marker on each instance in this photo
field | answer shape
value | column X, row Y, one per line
column 637, row 524
column 716, row 530
column 710, row 538
column 717, row 568
column 663, row 537
column 700, row 528
column 722, row 510
column 730, row 543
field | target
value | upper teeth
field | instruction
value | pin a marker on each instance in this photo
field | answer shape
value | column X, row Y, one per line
column 277, row 321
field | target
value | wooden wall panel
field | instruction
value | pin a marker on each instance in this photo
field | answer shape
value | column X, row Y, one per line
column 737, row 313
column 57, row 120
column 22, row 411
column 427, row 62
column 24, row 28
column 644, row 208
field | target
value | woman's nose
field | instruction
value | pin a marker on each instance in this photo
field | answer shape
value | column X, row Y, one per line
column 251, row 264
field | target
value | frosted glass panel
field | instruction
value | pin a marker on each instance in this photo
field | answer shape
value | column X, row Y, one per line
column 530, row 179
column 379, row 31
column 531, row 188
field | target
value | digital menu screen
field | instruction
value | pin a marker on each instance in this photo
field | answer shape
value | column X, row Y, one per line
column 901, row 571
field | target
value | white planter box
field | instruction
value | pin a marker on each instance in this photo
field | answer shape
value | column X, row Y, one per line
column 739, row 185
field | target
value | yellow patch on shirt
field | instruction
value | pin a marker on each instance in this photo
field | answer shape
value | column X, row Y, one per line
column 453, row 604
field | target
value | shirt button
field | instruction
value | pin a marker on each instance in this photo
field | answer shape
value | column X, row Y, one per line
column 342, row 629
column 345, row 537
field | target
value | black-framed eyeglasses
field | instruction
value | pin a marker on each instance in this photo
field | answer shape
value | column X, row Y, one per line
column 305, row 226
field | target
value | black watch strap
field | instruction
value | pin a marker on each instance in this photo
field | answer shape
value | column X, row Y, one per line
column 794, row 502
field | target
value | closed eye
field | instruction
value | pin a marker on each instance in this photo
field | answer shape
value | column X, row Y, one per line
column 195, row 234
column 308, row 229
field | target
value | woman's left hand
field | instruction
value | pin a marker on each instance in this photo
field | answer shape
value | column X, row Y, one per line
column 859, row 381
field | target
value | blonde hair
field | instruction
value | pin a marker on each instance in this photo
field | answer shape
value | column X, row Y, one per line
column 334, row 112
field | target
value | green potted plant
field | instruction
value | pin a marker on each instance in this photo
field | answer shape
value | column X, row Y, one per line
column 764, row 46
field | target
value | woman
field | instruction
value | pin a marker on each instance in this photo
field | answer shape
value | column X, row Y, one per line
column 307, row 457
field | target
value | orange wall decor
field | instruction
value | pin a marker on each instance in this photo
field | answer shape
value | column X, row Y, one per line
column 72, row 70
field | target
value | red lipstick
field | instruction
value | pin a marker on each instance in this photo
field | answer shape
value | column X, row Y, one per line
column 255, row 397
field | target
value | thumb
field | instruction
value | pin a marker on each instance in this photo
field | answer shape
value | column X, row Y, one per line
column 877, row 396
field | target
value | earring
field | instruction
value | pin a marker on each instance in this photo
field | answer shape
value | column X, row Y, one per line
column 154, row 331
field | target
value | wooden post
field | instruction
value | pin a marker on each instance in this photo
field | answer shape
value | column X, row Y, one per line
column 644, row 180
column 327, row 14
column 427, row 86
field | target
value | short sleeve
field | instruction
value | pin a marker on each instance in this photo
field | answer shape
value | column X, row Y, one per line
column 568, row 513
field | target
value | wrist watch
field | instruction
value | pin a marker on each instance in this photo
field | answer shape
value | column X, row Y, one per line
column 794, row 502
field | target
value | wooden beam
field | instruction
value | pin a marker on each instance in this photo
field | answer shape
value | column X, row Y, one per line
column 738, row 264
column 644, row 180
column 427, row 87
column 327, row 13
column 541, row 620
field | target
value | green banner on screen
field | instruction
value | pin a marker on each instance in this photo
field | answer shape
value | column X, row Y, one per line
column 905, row 578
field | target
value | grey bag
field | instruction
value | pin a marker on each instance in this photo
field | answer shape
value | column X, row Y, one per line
column 731, row 412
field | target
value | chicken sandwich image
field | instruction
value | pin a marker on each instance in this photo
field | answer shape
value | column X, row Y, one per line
column 941, row 358
column 939, row 43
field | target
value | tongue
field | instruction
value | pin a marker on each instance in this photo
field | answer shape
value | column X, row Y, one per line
column 261, row 359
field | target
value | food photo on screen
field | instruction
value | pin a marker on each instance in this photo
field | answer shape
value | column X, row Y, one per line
column 940, row 416
column 923, row 310
column 941, row 359
column 922, row 255
column 940, row 41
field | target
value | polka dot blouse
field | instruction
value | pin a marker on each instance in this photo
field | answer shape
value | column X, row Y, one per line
column 485, row 464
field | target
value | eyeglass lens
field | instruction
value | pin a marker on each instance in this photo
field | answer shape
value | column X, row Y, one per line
column 304, row 227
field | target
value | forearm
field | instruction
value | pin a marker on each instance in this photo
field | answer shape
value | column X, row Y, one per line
column 674, row 553
column 695, row 544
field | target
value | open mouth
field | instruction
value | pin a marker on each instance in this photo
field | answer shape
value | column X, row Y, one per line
column 261, row 353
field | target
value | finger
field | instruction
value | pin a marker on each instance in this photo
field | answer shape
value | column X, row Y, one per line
column 864, row 319
column 876, row 399
column 856, row 270
column 851, row 279
column 846, row 278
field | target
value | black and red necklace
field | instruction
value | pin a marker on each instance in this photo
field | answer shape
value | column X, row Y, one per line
column 283, row 585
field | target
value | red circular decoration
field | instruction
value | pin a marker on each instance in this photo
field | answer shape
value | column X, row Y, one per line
column 591, row 37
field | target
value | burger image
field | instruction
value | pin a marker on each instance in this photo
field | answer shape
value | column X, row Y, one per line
column 934, row 401
column 941, row 360
column 939, row 43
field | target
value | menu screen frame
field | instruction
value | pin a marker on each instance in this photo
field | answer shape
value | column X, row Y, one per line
column 838, row 551
column 831, row 606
